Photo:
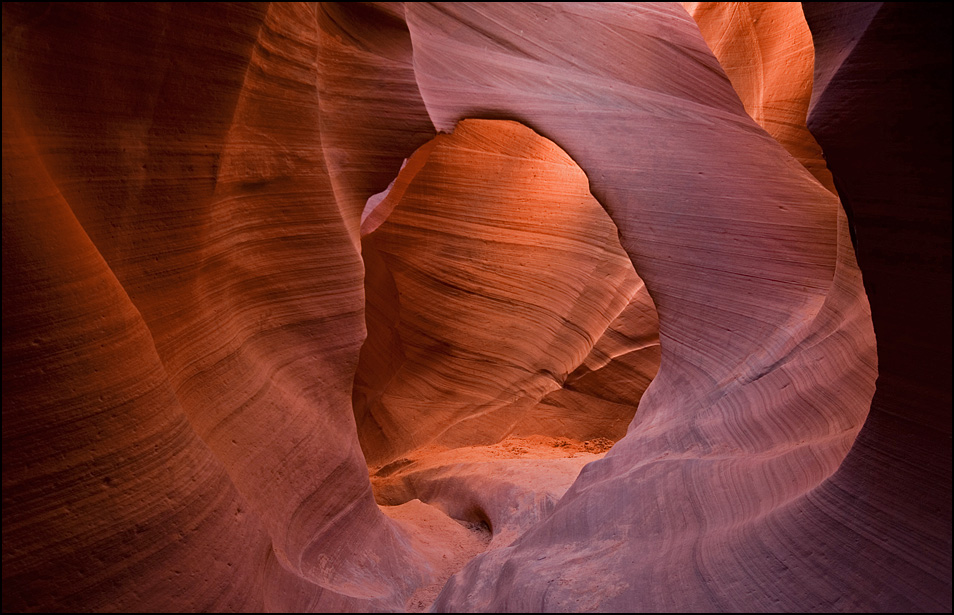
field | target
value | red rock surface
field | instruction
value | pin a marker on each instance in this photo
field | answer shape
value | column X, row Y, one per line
column 187, row 297
column 365, row 71
column 110, row 500
column 187, row 144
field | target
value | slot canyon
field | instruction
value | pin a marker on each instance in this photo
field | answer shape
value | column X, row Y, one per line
column 477, row 307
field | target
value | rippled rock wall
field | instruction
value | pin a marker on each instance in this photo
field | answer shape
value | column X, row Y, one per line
column 209, row 358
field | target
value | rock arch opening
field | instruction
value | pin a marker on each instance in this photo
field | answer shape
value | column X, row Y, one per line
column 509, row 336
column 184, row 309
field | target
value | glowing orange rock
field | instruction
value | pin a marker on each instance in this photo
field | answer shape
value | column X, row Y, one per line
column 766, row 50
column 489, row 282
column 184, row 307
column 756, row 288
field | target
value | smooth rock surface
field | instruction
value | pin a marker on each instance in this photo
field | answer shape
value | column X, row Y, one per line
column 371, row 113
column 765, row 378
column 766, row 51
column 488, row 284
column 197, row 318
column 187, row 143
column 882, row 111
column 110, row 500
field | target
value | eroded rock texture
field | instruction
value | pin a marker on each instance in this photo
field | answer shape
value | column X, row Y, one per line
column 715, row 485
column 488, row 284
column 882, row 111
column 766, row 51
column 209, row 335
column 188, row 147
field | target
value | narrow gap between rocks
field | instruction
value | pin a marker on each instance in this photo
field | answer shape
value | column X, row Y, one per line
column 509, row 340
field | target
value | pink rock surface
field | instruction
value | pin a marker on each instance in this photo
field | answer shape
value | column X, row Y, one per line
column 187, row 293
column 508, row 487
column 743, row 419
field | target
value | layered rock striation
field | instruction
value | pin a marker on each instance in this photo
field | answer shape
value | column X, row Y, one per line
column 488, row 284
column 767, row 53
column 231, row 382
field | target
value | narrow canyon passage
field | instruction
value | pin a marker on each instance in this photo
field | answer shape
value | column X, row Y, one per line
column 509, row 338
column 242, row 373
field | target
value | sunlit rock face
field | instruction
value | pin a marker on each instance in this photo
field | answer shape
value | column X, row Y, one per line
column 765, row 377
column 488, row 284
column 230, row 384
column 766, row 51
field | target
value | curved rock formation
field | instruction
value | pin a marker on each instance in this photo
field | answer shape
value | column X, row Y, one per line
column 110, row 500
column 186, row 296
column 371, row 114
column 489, row 282
column 598, row 398
column 736, row 426
column 189, row 149
column 766, row 51
column 882, row 111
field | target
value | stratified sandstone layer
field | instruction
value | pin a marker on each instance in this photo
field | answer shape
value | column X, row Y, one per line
column 882, row 111
column 768, row 359
column 186, row 297
column 371, row 113
column 598, row 398
column 488, row 284
column 187, row 144
column 766, row 51
column 110, row 500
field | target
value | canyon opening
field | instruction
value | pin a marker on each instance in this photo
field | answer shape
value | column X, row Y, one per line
column 335, row 307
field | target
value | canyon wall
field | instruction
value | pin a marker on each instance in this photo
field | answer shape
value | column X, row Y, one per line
column 217, row 354
column 767, row 52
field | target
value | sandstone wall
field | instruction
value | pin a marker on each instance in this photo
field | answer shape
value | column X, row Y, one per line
column 188, row 287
